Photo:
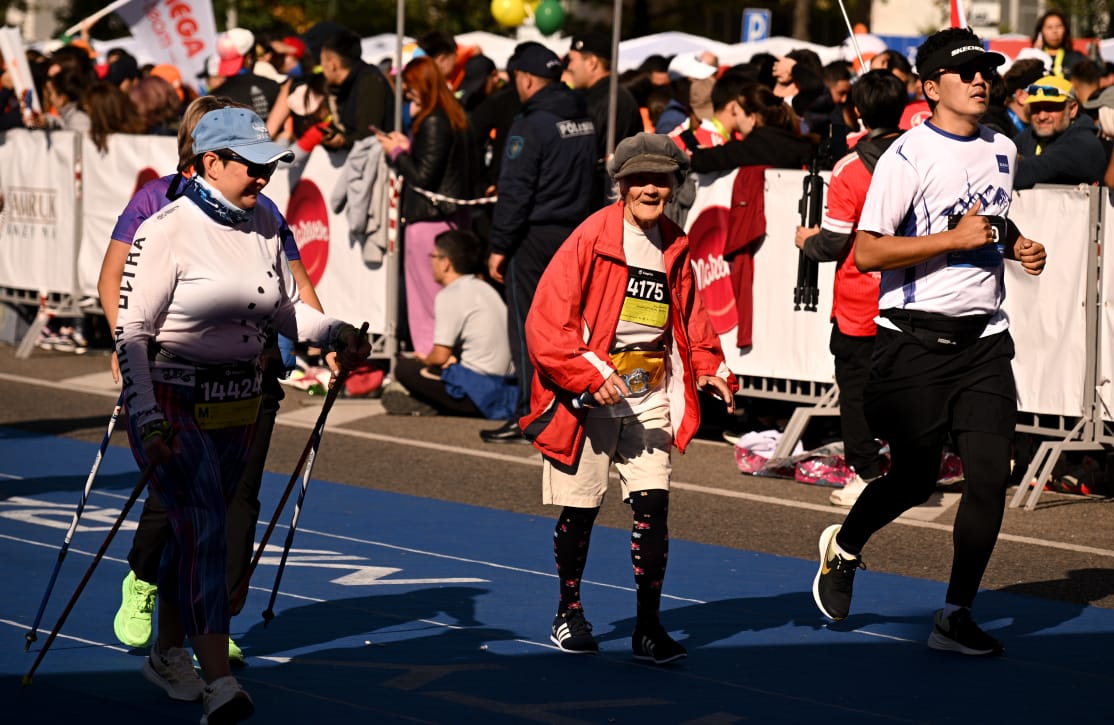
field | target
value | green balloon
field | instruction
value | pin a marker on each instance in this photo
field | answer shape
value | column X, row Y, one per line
column 549, row 16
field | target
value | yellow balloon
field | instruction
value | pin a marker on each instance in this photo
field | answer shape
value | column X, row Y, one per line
column 508, row 13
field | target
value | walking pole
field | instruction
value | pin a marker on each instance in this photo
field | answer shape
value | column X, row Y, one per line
column 314, row 437
column 31, row 636
column 269, row 613
column 139, row 486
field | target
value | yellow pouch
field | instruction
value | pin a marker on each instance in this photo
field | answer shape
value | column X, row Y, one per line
column 642, row 370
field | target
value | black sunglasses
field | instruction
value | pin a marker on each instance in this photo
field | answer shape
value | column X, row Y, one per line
column 967, row 73
column 256, row 171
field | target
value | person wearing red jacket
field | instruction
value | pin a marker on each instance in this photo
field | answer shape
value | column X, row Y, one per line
column 620, row 344
column 879, row 97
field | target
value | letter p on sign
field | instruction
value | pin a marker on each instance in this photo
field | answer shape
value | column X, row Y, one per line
column 756, row 24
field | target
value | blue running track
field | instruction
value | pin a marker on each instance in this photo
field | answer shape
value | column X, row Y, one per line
column 398, row 609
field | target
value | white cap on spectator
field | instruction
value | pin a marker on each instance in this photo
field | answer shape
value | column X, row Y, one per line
column 689, row 65
column 232, row 46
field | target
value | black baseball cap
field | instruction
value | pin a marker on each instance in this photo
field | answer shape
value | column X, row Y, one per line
column 537, row 60
column 962, row 51
column 598, row 44
column 123, row 68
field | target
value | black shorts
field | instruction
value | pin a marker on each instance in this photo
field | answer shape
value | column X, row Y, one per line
column 915, row 394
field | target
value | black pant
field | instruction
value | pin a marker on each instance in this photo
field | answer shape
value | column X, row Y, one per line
column 429, row 389
column 243, row 510
column 524, row 270
column 852, row 371
column 914, row 400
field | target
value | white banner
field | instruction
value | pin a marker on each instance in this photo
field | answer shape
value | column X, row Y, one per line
column 1047, row 313
column 179, row 32
column 110, row 180
column 38, row 236
column 1106, row 309
column 15, row 60
column 787, row 343
column 348, row 287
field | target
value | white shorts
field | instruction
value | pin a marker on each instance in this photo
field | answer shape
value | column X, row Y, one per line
column 640, row 446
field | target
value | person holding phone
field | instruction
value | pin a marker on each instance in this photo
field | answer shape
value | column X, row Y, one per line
column 439, row 163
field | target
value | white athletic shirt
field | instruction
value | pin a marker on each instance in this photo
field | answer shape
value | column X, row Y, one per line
column 470, row 318
column 923, row 178
column 206, row 292
column 644, row 319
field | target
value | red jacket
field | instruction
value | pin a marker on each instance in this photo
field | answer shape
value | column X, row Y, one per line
column 571, row 326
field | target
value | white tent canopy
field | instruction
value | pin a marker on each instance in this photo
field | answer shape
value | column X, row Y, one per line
column 635, row 50
column 632, row 52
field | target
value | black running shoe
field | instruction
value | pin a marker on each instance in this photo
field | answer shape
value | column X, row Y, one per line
column 655, row 645
column 831, row 589
column 958, row 633
column 573, row 634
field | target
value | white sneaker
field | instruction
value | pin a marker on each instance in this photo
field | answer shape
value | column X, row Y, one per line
column 225, row 702
column 849, row 494
column 174, row 672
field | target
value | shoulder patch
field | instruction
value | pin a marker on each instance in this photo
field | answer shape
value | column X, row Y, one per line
column 571, row 129
column 515, row 145
column 1003, row 163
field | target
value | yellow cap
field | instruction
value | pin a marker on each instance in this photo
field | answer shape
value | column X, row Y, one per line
column 1050, row 89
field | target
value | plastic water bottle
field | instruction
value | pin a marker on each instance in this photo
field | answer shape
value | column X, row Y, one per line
column 584, row 400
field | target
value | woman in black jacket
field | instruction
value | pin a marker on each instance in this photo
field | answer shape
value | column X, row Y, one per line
column 771, row 136
column 439, row 162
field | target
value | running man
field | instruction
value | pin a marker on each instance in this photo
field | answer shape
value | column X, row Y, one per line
column 934, row 223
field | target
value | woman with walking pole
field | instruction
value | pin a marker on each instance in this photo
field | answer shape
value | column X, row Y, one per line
column 132, row 623
column 204, row 285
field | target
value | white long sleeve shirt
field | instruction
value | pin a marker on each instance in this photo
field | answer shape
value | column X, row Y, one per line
column 206, row 292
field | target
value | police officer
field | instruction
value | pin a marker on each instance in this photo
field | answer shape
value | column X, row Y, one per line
column 544, row 188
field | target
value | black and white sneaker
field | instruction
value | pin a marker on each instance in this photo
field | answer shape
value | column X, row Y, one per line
column 573, row 634
column 832, row 587
column 958, row 633
column 655, row 645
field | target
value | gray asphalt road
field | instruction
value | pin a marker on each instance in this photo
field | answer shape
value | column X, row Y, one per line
column 1064, row 550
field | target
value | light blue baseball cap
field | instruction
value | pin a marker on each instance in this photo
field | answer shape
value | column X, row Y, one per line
column 240, row 131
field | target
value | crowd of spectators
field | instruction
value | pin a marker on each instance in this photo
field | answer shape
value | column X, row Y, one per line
column 459, row 106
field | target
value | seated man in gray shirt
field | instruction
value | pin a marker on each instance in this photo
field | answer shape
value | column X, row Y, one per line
column 1061, row 145
column 469, row 370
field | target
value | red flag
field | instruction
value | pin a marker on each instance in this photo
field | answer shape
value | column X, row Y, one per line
column 959, row 15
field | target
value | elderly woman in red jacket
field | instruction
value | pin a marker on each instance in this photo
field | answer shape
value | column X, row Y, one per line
column 620, row 343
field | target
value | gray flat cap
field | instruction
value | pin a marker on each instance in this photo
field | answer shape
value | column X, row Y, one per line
column 647, row 153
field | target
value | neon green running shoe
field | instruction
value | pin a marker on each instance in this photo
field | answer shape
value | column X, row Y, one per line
column 133, row 620
column 235, row 654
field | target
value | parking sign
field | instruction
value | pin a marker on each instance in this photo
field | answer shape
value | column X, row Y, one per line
column 756, row 24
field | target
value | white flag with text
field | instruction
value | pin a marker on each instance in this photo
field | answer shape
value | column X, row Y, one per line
column 180, row 32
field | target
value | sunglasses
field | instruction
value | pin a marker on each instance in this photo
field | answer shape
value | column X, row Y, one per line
column 967, row 73
column 256, row 171
column 1046, row 91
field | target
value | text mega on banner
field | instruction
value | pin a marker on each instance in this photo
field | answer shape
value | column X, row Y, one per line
column 180, row 32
